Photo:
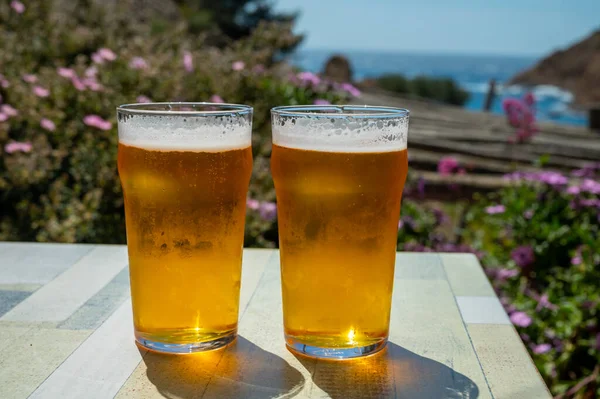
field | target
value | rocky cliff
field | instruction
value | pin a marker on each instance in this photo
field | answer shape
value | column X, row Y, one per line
column 576, row 69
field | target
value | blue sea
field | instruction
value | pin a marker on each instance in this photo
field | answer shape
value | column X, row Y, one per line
column 472, row 72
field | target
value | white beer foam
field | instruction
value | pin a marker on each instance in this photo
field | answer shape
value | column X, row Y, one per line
column 341, row 134
column 185, row 133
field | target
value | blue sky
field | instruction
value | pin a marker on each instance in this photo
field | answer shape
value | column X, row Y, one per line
column 519, row 27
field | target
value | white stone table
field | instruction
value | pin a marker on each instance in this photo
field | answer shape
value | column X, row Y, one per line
column 66, row 332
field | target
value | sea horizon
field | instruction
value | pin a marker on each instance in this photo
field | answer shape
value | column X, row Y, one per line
column 423, row 52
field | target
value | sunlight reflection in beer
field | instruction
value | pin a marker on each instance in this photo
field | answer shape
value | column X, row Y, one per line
column 351, row 334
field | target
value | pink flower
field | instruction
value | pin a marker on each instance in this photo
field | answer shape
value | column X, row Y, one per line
column 107, row 54
column 319, row 101
column 92, row 84
column 78, row 84
column 544, row 303
column 309, row 78
column 138, row 63
column 40, row 91
column 252, row 204
column 8, row 110
column 577, row 259
column 188, row 62
column 97, row 58
column 552, row 178
column 528, row 117
column 16, row 146
column 238, row 65
column 447, row 166
column 97, row 122
column 268, row 210
column 528, row 214
column 592, row 203
column 587, row 171
column 400, row 224
column 48, row 125
column 521, row 115
column 17, row 6
column 353, row 91
column 3, row 117
column 573, row 190
column 143, row 99
column 3, row 82
column 103, row 54
column 216, row 99
column 30, row 78
column 505, row 274
column 495, row 209
column 66, row 72
column 590, row 186
column 520, row 319
column 541, row 349
column 91, row 72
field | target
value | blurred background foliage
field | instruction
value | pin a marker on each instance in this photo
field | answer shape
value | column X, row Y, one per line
column 82, row 59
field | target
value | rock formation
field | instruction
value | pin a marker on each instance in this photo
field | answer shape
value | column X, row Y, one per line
column 338, row 69
column 576, row 69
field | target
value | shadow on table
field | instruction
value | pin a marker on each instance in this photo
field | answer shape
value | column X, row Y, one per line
column 242, row 370
column 395, row 372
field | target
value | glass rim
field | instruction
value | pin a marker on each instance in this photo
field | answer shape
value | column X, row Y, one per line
column 170, row 109
column 340, row 111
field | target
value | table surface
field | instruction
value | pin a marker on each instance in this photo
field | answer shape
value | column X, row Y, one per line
column 66, row 332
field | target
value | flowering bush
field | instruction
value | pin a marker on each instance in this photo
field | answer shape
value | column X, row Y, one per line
column 541, row 244
column 58, row 92
column 521, row 116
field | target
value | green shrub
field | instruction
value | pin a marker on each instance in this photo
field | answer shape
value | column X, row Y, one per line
column 440, row 89
column 394, row 82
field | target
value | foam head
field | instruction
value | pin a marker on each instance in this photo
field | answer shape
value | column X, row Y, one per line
column 185, row 126
column 345, row 128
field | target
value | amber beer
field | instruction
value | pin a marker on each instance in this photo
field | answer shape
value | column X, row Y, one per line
column 338, row 198
column 184, row 189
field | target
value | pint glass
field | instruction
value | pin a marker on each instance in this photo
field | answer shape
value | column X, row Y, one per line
column 339, row 172
column 185, row 170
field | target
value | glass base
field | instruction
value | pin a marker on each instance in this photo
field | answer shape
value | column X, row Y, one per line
column 333, row 353
column 184, row 348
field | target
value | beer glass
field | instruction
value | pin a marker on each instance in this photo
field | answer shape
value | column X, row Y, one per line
column 339, row 172
column 185, row 170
